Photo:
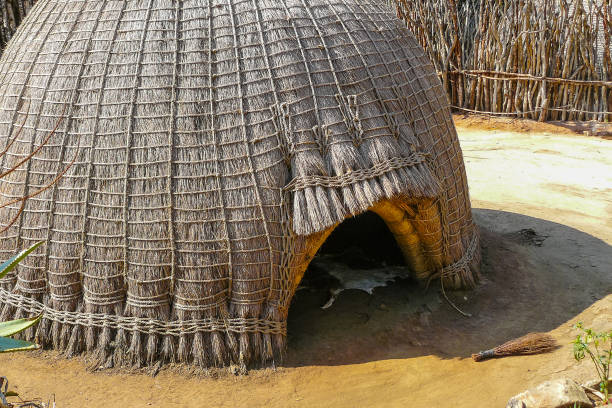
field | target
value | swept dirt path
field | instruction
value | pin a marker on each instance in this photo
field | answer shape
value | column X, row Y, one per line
column 401, row 347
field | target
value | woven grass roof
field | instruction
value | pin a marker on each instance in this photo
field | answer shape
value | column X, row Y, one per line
column 214, row 145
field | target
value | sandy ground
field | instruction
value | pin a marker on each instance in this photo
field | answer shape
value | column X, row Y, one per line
column 406, row 348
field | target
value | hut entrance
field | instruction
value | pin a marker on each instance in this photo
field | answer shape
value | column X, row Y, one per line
column 363, row 242
column 361, row 253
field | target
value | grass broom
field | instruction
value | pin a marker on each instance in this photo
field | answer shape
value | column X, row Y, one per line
column 532, row 343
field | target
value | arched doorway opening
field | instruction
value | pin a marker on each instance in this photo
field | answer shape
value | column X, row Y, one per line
column 364, row 238
column 366, row 251
column 353, row 321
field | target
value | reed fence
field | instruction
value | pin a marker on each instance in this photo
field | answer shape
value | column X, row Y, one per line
column 537, row 59
column 12, row 12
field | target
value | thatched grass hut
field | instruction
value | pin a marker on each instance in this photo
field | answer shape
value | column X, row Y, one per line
column 215, row 144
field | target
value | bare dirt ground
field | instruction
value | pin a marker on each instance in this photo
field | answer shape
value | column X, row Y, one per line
column 542, row 196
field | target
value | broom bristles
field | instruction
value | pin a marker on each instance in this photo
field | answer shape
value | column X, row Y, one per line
column 531, row 343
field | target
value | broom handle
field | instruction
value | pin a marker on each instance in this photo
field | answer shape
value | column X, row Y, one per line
column 484, row 355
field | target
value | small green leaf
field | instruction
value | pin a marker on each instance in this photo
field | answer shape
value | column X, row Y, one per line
column 16, row 326
column 11, row 394
column 8, row 345
column 7, row 266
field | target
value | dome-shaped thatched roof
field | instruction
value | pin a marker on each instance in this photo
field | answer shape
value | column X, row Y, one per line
column 214, row 146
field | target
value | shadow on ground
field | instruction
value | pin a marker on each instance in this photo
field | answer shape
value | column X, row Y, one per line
column 537, row 275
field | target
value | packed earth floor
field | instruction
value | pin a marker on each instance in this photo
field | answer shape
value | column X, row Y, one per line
column 542, row 197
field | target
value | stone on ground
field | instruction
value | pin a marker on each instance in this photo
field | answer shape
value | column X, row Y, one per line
column 561, row 393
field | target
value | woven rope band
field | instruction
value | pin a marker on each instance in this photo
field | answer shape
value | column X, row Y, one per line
column 377, row 170
column 145, row 325
column 462, row 264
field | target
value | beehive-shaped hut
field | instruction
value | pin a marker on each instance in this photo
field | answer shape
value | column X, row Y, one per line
column 209, row 149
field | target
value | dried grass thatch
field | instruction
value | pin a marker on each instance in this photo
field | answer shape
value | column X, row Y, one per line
column 218, row 143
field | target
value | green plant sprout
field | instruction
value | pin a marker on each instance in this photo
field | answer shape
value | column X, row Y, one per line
column 10, row 328
column 598, row 346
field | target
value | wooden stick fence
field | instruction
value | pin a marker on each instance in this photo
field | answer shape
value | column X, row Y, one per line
column 12, row 12
column 537, row 59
